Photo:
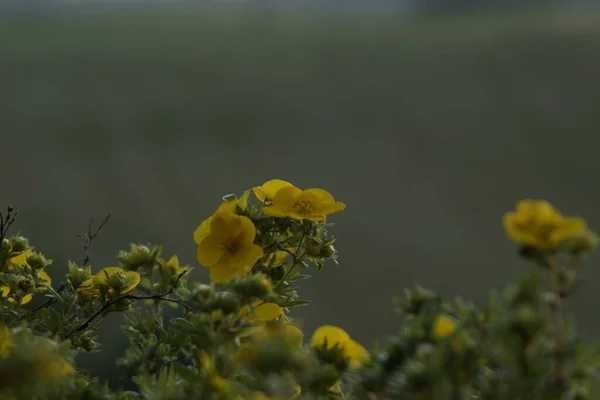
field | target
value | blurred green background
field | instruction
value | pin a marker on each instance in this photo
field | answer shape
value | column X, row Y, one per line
column 429, row 128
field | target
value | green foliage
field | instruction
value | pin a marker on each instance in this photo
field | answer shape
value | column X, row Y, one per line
column 235, row 339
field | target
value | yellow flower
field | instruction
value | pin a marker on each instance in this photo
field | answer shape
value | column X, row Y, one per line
column 443, row 326
column 6, row 342
column 228, row 249
column 273, row 330
column 329, row 336
column 266, row 192
column 262, row 312
column 231, row 204
column 536, row 223
column 311, row 204
column 18, row 259
column 203, row 230
column 5, row 292
column 114, row 279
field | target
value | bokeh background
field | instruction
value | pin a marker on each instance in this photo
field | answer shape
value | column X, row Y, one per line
column 429, row 119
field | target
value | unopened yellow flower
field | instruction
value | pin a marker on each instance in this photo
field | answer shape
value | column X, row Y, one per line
column 329, row 336
column 228, row 249
column 115, row 281
column 266, row 192
column 311, row 204
column 536, row 223
column 443, row 326
column 6, row 342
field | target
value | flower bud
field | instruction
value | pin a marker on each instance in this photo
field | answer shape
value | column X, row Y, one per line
column 203, row 290
column 584, row 242
column 254, row 286
column 19, row 244
column 227, row 302
column 36, row 261
column 78, row 275
column 313, row 246
column 327, row 251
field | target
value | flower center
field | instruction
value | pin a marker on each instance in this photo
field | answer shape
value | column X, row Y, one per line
column 304, row 207
column 230, row 246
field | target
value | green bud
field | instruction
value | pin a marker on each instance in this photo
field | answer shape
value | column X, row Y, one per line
column 226, row 302
column 36, row 261
column 19, row 244
column 118, row 282
column 327, row 251
column 78, row 275
column 5, row 245
column 312, row 246
column 203, row 290
column 254, row 286
column 140, row 258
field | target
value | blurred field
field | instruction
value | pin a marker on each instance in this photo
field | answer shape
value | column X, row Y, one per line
column 430, row 129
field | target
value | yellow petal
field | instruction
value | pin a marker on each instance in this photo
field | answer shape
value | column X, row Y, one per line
column 357, row 354
column 294, row 334
column 569, row 228
column 277, row 259
column 20, row 259
column 26, row 299
column 443, row 326
column 329, row 336
column 202, row 231
column 267, row 191
column 246, row 231
column 322, row 195
column 268, row 311
column 224, row 224
column 222, row 275
column 4, row 290
column 210, row 251
column 245, row 257
column 45, row 277
column 107, row 272
column 243, row 201
column 134, row 280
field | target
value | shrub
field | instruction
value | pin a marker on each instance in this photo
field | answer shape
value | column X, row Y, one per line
column 235, row 339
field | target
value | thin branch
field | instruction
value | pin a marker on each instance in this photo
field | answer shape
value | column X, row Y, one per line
column 158, row 296
column 7, row 220
column 88, row 239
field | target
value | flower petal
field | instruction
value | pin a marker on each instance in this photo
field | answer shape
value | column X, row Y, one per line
column 106, row 272
column 202, row 231
column 209, row 251
column 357, row 354
column 134, row 280
column 267, row 191
column 267, row 311
column 330, row 336
column 222, row 275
